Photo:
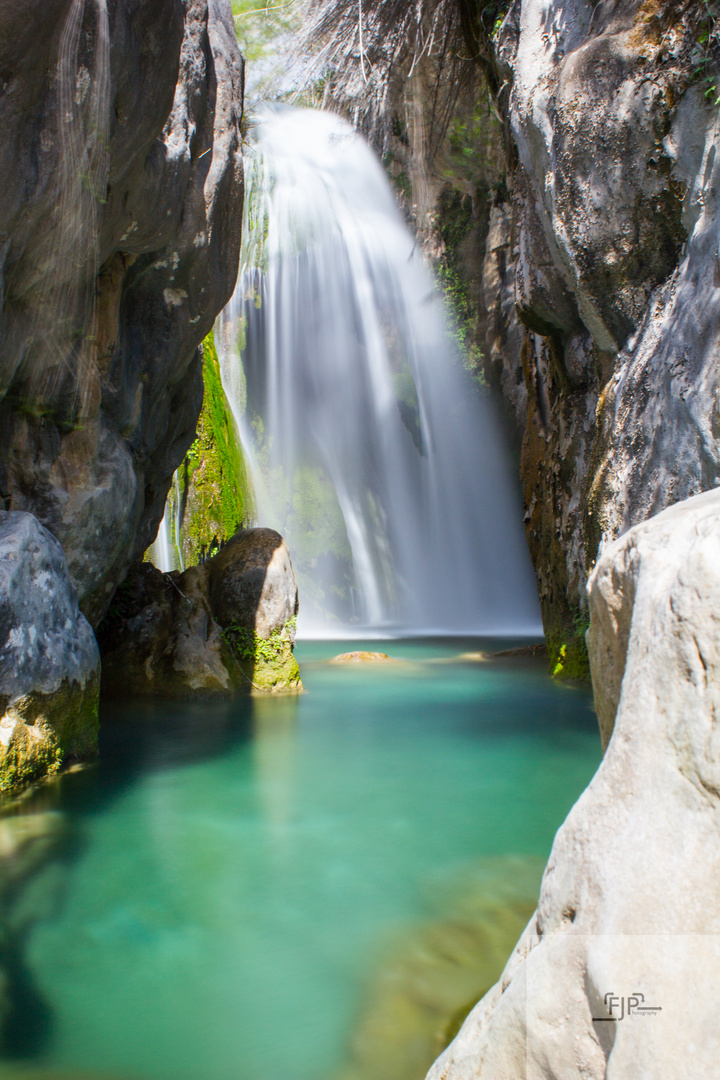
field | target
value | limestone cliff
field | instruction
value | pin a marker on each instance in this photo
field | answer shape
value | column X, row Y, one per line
column 617, row 972
column 606, row 249
column 613, row 114
column 121, row 179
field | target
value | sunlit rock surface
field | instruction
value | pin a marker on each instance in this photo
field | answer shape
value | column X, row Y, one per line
column 227, row 625
column 49, row 660
column 618, row 972
column 615, row 239
column 120, row 214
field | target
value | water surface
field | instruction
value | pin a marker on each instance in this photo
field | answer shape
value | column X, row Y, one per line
column 265, row 890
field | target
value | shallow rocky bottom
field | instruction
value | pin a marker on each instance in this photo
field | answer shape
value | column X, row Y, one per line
column 315, row 887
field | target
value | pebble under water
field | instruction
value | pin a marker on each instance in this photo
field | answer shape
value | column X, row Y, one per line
column 311, row 888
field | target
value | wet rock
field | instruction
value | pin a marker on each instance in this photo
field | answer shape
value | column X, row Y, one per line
column 159, row 638
column 628, row 920
column 254, row 597
column 504, row 333
column 49, row 659
column 219, row 628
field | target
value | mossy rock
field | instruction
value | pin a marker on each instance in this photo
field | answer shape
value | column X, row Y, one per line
column 264, row 665
column 254, row 597
column 46, row 729
column 226, row 626
column 567, row 649
column 49, row 660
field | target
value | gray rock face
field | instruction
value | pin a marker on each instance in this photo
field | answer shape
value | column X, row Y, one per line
column 616, row 232
column 629, row 911
column 121, row 180
column 49, row 659
column 504, row 334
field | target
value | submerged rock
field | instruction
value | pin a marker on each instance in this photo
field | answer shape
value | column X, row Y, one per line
column 628, row 922
column 360, row 658
column 522, row 652
column 428, row 975
column 225, row 626
column 31, row 839
column 49, row 659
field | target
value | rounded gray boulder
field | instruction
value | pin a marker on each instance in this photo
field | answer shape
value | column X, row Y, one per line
column 49, row 659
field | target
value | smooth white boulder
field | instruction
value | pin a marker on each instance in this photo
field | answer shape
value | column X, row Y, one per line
column 628, row 922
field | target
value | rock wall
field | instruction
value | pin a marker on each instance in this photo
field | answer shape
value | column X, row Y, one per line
column 121, row 179
column 614, row 243
column 617, row 973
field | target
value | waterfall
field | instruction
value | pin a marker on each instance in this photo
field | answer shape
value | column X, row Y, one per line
column 166, row 551
column 371, row 449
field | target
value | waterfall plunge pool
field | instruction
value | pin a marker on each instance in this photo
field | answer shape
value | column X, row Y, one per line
column 311, row 888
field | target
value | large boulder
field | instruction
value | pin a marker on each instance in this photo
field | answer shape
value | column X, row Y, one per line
column 120, row 219
column 49, row 659
column 618, row 972
column 254, row 597
column 223, row 627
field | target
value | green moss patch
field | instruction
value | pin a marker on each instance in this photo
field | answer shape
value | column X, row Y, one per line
column 266, row 664
column 567, row 651
column 213, row 496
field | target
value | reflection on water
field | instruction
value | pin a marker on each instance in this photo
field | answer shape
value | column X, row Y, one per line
column 274, row 754
column 286, row 888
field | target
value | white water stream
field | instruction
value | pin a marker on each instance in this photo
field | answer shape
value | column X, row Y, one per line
column 370, row 449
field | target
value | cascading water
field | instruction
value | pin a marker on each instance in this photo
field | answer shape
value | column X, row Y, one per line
column 166, row 552
column 370, row 448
